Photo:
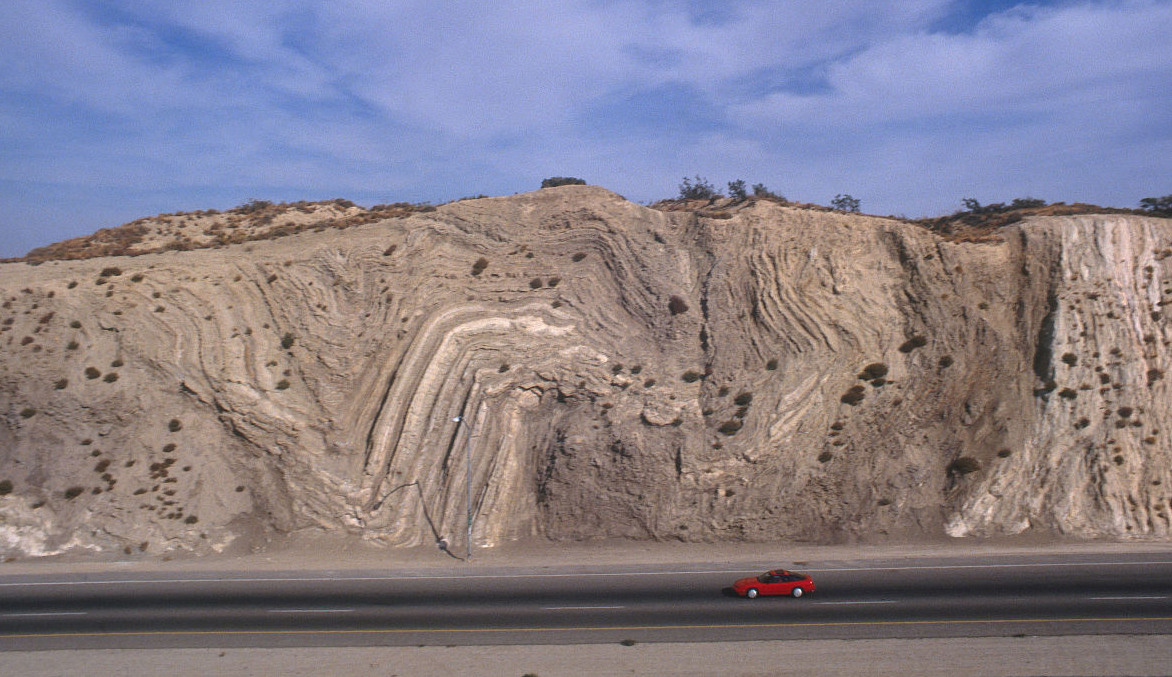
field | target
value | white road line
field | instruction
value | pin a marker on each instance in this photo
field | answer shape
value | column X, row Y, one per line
column 45, row 613
column 310, row 611
column 883, row 601
column 1135, row 597
column 564, row 608
column 594, row 574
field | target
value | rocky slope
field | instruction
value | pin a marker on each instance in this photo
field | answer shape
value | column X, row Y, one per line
column 757, row 372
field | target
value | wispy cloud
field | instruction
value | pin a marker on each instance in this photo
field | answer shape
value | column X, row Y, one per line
column 117, row 110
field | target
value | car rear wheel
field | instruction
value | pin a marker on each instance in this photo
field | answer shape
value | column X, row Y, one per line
column 797, row 592
column 751, row 593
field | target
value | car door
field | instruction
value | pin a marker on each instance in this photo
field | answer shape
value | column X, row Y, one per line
column 772, row 585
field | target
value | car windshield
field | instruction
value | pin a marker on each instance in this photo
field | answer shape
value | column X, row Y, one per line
column 765, row 577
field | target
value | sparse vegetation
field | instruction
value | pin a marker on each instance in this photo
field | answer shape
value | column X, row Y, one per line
column 92, row 373
column 111, row 377
column 555, row 181
column 912, row 343
column 697, row 189
column 736, row 189
column 677, row 305
column 479, row 266
column 287, row 341
column 854, row 395
column 283, row 384
column 578, row 257
column 771, row 365
column 1157, row 206
column 73, row 492
column 964, row 465
column 28, row 412
column 175, row 425
column 825, row 457
column 730, row 427
column 743, row 399
column 873, row 371
column 691, row 376
column 843, row 202
column 5, row 487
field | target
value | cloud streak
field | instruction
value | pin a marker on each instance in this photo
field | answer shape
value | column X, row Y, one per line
column 139, row 107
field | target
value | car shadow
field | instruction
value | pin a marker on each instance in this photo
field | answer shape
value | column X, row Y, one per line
column 729, row 592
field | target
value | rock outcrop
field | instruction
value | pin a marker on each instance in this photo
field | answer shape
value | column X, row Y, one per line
column 754, row 372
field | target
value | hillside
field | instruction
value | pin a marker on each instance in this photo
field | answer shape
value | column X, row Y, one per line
column 750, row 371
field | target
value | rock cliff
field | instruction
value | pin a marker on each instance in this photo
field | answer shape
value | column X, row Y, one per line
column 750, row 371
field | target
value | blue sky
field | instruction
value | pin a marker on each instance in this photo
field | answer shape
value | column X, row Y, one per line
column 110, row 111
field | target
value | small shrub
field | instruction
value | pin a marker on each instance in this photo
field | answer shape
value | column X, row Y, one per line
column 287, row 341
column 873, row 371
column 92, row 373
column 699, row 189
column 555, row 181
column 843, row 202
column 191, row 519
column 771, row 365
column 282, row 385
column 61, row 384
column 111, row 377
column 730, row 427
column 628, row 642
column 73, row 492
column 825, row 457
column 110, row 272
column 578, row 257
column 479, row 266
column 168, row 447
column 28, row 412
column 964, row 465
column 136, row 278
column 854, row 395
column 72, row 345
column 535, row 283
column 743, row 399
column 71, row 285
column 5, row 487
column 945, row 361
column 736, row 189
column 1070, row 359
column 1125, row 412
column 884, row 501
column 175, row 425
column 116, row 363
column 1004, row 453
column 553, row 282
column 691, row 376
column 912, row 343
column 677, row 305
column 503, row 368
column 26, row 340
column 1068, row 393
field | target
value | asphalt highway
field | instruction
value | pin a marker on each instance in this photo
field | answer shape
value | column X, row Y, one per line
column 999, row 596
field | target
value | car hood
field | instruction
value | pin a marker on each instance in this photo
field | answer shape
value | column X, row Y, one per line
column 742, row 583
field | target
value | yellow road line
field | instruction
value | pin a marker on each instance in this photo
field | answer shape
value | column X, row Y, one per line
column 628, row 628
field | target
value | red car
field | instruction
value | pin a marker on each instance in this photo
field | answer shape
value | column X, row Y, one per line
column 776, row 582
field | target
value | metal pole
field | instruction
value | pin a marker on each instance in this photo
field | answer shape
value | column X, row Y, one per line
column 468, row 503
column 468, row 478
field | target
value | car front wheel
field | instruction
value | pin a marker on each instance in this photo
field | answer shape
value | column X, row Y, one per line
column 797, row 592
column 751, row 593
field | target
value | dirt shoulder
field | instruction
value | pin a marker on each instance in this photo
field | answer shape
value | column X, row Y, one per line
column 313, row 551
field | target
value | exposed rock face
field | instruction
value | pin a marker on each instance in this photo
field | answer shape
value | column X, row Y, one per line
column 762, row 373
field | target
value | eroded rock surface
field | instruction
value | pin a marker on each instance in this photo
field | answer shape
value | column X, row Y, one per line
column 757, row 373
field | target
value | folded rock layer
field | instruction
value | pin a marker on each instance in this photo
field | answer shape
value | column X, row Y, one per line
column 759, row 373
